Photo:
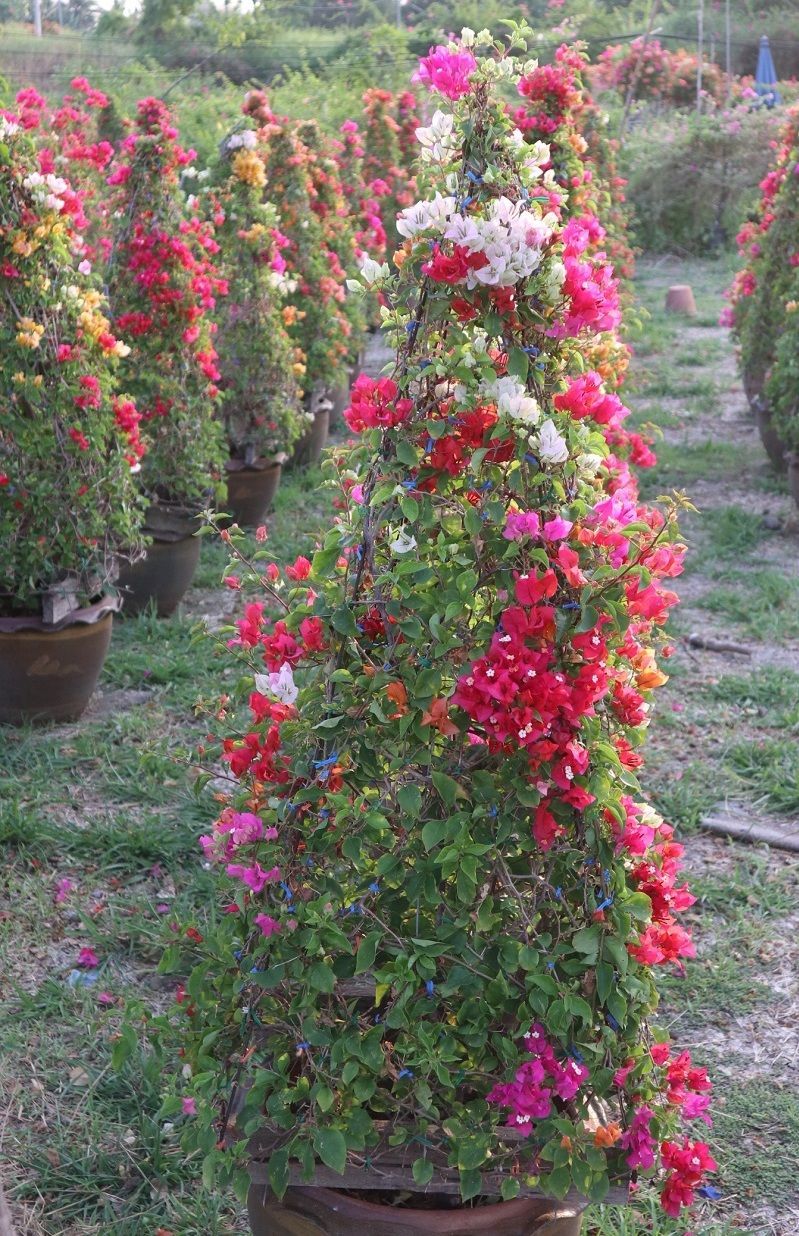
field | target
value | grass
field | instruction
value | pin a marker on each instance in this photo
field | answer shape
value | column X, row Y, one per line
column 769, row 769
column 765, row 605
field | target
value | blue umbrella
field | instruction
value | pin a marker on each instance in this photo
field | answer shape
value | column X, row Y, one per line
column 766, row 75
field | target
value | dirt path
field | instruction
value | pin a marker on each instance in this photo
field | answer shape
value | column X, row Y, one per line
column 724, row 739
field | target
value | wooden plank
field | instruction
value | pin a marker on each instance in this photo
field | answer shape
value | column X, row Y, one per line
column 751, row 831
column 365, row 1179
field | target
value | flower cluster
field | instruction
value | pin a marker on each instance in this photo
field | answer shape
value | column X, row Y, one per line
column 436, row 841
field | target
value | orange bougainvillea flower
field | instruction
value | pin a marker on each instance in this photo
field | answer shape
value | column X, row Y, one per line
column 648, row 679
column 398, row 695
column 438, row 717
column 607, row 1135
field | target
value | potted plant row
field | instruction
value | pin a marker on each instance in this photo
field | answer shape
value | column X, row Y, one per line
column 314, row 313
column 69, row 448
column 427, row 1005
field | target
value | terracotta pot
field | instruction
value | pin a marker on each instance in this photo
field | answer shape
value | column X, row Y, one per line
column 163, row 575
column 48, row 673
column 326, row 1212
column 251, row 490
column 793, row 475
column 773, row 444
column 308, row 450
column 680, row 299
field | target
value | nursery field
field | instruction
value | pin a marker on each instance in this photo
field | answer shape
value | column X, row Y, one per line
column 101, row 822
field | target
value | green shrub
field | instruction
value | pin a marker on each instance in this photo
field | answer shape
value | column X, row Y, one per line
column 693, row 179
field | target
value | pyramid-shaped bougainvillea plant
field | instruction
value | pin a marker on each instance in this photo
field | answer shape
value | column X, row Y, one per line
column 764, row 309
column 446, row 903
column 69, row 438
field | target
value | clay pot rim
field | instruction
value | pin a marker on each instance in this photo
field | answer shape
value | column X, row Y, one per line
column 85, row 616
column 263, row 463
column 470, row 1218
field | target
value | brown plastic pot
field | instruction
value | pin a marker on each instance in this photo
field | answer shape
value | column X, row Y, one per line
column 251, row 490
column 50, row 673
column 773, row 444
column 326, row 1212
column 163, row 576
column 308, row 450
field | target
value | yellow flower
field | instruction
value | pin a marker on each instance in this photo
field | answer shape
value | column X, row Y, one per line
column 29, row 334
column 250, row 169
column 19, row 379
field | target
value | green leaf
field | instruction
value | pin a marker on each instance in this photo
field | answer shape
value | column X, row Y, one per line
column 410, row 507
column 639, row 905
column 321, row 977
column 343, row 621
column 124, row 1047
column 410, row 799
column 433, row 833
column 518, row 364
column 587, row 942
column 279, row 1171
column 588, row 619
column 422, row 1171
column 471, row 1154
column 331, row 1147
column 509, row 1188
column 324, row 1098
column 616, row 1005
column 406, row 453
column 446, row 786
column 471, row 1184
column 366, row 951
column 604, row 980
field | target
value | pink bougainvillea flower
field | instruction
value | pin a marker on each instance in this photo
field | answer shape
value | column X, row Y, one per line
column 88, row 959
column 63, row 888
column 253, row 876
column 558, row 528
column 446, row 71
column 267, row 925
column 519, row 524
column 189, row 1106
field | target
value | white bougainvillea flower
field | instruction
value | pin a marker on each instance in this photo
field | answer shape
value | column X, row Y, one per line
column 402, row 543
column 552, row 448
column 280, row 685
column 438, row 141
column 512, row 400
column 425, row 216
column 373, row 272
